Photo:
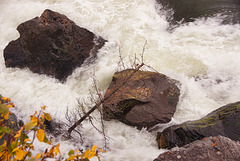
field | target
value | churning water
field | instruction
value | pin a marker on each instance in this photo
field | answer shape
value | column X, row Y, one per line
column 204, row 56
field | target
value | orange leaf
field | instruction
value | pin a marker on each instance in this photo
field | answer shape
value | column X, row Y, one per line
column 19, row 154
column 40, row 135
column 5, row 116
column 43, row 107
column 38, row 156
column 33, row 118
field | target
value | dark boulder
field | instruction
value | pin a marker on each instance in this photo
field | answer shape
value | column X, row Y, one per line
column 190, row 10
column 212, row 148
column 52, row 45
column 223, row 121
column 146, row 99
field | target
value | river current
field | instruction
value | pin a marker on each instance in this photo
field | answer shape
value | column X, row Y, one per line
column 203, row 55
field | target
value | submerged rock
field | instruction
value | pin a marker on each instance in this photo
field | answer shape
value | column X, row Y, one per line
column 190, row 10
column 146, row 99
column 212, row 148
column 51, row 44
column 223, row 121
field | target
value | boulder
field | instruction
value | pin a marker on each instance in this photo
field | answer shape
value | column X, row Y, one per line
column 212, row 148
column 144, row 100
column 51, row 44
column 189, row 10
column 223, row 121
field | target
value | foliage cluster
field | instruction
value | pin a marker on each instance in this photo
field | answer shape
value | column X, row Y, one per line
column 18, row 146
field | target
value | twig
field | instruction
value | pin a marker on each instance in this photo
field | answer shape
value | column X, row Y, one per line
column 102, row 101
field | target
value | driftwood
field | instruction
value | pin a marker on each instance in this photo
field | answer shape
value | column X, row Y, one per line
column 102, row 100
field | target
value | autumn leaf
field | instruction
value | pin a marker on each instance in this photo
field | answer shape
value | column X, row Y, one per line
column 5, row 116
column 33, row 118
column 6, row 99
column 3, row 109
column 40, row 135
column 30, row 125
column 56, row 151
column 42, row 116
column 71, row 158
column 94, row 148
column 92, row 154
column 43, row 107
column 71, row 152
column 27, row 139
column 3, row 145
column 19, row 154
column 19, row 133
column 47, row 116
column 7, row 130
column 38, row 156
column 2, row 134
column 87, row 153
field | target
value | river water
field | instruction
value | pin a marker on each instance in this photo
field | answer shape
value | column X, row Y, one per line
column 204, row 56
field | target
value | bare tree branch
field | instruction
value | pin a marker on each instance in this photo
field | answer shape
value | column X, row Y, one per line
column 102, row 100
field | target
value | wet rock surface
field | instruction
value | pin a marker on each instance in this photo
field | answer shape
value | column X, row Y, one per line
column 212, row 148
column 51, row 44
column 223, row 121
column 146, row 99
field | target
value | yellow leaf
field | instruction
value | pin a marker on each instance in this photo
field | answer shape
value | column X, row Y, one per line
column 40, row 135
column 9, row 106
column 43, row 107
column 33, row 118
column 87, row 153
column 50, row 153
column 42, row 116
column 5, row 116
column 16, row 149
column 4, row 98
column 27, row 140
column 100, row 150
column 92, row 154
column 2, row 147
column 19, row 154
column 30, row 125
column 47, row 116
column 19, row 133
column 38, row 156
column 31, row 146
column 94, row 148
column 56, row 151
column 71, row 158
column 2, row 135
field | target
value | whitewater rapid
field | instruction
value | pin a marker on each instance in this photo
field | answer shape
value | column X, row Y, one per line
column 203, row 55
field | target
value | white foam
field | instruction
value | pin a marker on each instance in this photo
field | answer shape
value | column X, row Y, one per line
column 203, row 56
